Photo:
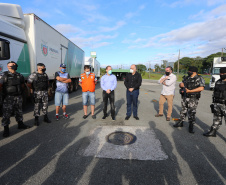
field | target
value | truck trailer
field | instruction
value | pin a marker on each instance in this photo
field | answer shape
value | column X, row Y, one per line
column 27, row 40
column 94, row 66
column 218, row 62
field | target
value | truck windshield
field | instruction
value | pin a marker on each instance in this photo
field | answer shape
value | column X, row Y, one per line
column 216, row 71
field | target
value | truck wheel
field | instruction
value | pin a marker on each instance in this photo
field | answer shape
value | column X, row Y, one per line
column 71, row 88
column 123, row 78
column 50, row 93
column 75, row 85
column 211, row 89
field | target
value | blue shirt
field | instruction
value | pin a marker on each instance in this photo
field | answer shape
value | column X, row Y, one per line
column 108, row 82
column 62, row 87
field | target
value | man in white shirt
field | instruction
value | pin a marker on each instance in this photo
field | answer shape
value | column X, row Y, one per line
column 168, row 91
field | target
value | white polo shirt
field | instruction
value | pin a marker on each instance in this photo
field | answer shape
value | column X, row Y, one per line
column 169, row 88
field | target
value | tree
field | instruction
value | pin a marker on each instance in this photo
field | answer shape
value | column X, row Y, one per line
column 141, row 68
column 157, row 68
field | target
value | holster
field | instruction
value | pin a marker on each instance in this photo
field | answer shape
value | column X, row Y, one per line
column 212, row 108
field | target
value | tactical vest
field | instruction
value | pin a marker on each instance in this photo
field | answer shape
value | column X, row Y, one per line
column 41, row 82
column 12, row 84
column 219, row 94
column 191, row 84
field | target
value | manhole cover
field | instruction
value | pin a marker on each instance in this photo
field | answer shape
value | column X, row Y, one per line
column 121, row 138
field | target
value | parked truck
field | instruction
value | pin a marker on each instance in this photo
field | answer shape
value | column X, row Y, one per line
column 28, row 40
column 218, row 62
column 94, row 65
column 120, row 73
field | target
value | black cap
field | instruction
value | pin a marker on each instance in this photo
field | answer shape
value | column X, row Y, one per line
column 40, row 64
column 223, row 70
column 193, row 69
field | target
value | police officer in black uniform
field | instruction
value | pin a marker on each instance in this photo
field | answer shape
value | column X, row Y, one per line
column 218, row 107
column 12, row 85
column 38, row 81
column 192, row 86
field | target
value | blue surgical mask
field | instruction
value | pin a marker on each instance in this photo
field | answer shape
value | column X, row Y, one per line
column 110, row 72
column 63, row 70
column 88, row 73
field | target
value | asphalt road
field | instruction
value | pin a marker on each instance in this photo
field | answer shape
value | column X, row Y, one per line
column 52, row 153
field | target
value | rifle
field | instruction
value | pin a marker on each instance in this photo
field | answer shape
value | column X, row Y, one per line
column 183, row 89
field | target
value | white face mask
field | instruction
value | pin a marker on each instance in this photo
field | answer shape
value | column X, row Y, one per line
column 88, row 73
column 131, row 71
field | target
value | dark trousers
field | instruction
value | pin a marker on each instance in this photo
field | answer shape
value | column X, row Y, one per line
column 111, row 97
column 132, row 98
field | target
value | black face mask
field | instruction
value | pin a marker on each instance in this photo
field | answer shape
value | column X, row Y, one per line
column 167, row 73
column 44, row 70
column 190, row 73
column 223, row 77
column 14, row 67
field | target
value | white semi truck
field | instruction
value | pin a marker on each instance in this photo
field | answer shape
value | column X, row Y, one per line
column 28, row 40
column 218, row 62
column 94, row 65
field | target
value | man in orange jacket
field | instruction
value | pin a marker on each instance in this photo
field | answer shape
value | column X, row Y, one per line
column 88, row 81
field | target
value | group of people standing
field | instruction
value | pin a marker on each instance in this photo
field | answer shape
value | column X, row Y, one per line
column 190, row 90
column 12, row 84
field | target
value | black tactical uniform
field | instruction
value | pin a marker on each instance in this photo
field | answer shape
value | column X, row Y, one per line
column 190, row 101
column 218, row 107
column 40, row 86
column 12, row 103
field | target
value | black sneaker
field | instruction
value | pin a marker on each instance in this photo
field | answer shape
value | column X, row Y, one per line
column 136, row 118
column 85, row 116
column 6, row 131
column 46, row 119
column 104, row 117
column 93, row 116
column 113, row 118
column 36, row 121
column 21, row 125
column 127, row 117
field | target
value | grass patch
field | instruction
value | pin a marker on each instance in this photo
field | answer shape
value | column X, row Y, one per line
column 157, row 76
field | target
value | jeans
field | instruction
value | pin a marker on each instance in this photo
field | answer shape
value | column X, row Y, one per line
column 61, row 98
column 132, row 98
column 88, row 95
column 111, row 97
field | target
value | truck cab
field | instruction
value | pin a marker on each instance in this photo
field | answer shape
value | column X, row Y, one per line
column 218, row 62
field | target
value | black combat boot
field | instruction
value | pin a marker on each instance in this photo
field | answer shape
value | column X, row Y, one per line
column 21, row 125
column 46, row 119
column 179, row 124
column 191, row 128
column 36, row 121
column 211, row 133
column 6, row 131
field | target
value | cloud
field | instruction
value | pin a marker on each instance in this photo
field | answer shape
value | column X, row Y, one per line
column 182, row 3
column 118, row 25
column 59, row 12
column 197, row 38
column 94, row 42
column 68, row 29
column 134, row 13
column 38, row 12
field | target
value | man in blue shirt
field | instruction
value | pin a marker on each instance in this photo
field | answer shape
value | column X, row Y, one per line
column 61, row 94
column 108, row 84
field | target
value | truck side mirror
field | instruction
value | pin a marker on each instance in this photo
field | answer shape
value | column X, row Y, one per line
column 4, row 49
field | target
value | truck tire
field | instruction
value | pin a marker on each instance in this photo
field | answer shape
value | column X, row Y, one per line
column 123, row 77
column 71, row 86
column 76, row 85
column 51, row 93
column 211, row 89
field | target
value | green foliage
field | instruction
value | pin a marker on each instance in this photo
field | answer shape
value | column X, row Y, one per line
column 102, row 71
column 141, row 68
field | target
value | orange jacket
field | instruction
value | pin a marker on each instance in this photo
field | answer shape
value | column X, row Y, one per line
column 88, row 84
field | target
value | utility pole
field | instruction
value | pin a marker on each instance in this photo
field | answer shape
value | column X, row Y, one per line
column 178, row 65
column 222, row 52
column 149, row 69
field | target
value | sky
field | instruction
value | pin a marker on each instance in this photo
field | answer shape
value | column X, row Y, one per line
column 125, row 32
